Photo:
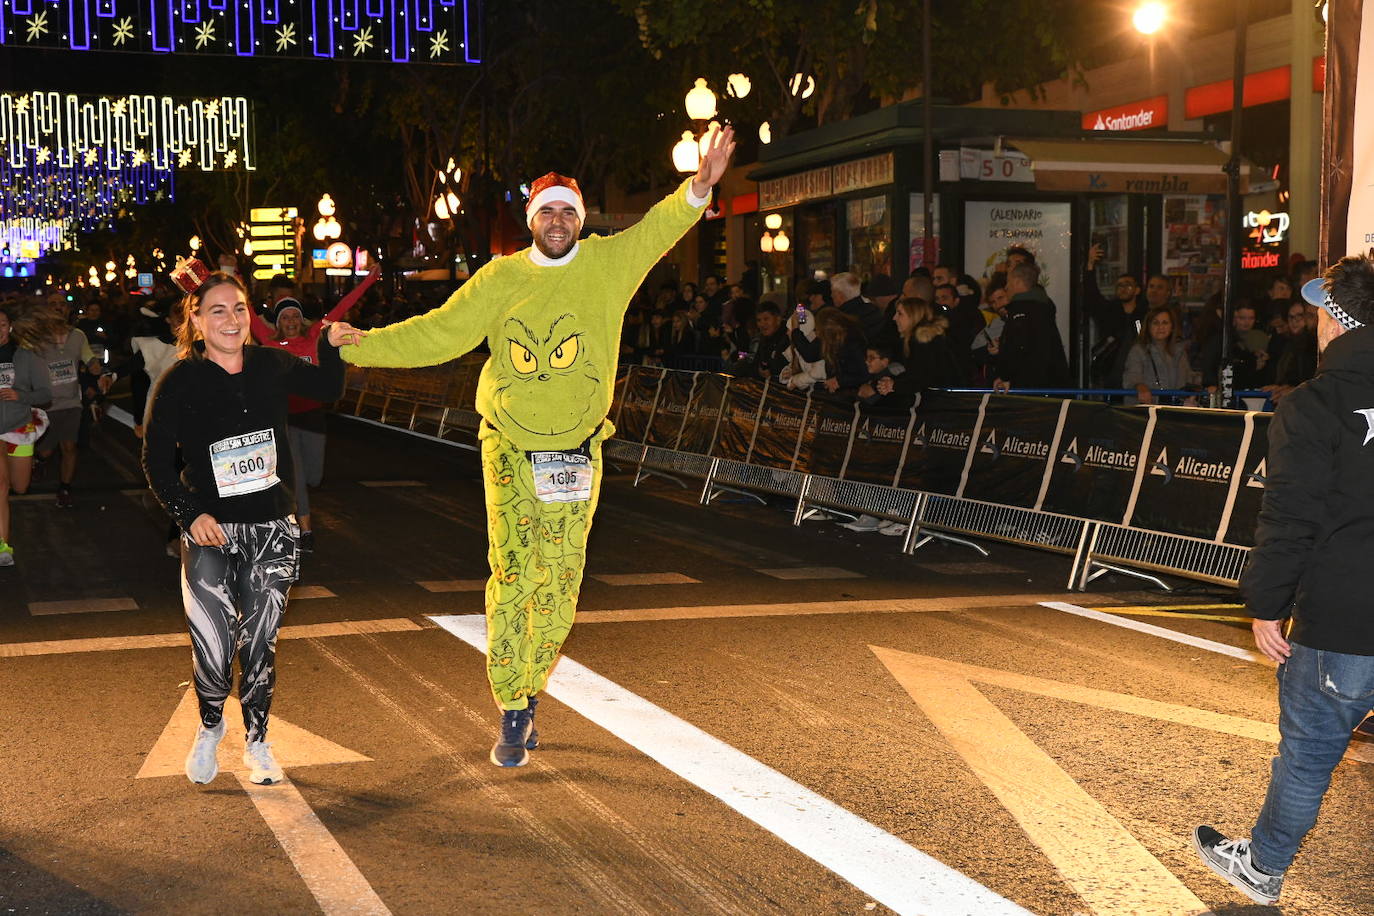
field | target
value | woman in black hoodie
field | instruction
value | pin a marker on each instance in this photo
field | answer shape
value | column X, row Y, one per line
column 926, row 353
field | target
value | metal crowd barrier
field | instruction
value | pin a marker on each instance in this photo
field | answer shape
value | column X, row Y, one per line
column 1096, row 547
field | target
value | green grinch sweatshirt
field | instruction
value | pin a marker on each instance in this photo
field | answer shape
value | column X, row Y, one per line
column 553, row 329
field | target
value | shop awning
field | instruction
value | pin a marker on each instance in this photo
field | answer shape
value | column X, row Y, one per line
column 1128, row 166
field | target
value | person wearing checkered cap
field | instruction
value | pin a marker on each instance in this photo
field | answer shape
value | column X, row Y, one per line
column 1304, row 581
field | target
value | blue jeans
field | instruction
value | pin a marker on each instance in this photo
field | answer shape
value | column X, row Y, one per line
column 1322, row 697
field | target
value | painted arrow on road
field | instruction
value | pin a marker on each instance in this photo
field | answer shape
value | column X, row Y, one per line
column 328, row 872
column 1096, row 855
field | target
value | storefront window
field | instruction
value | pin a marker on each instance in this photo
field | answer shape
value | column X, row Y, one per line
column 870, row 236
column 1109, row 231
column 1194, row 246
column 916, row 229
column 816, row 226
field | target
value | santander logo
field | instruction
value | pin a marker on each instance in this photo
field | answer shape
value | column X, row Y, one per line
column 1134, row 116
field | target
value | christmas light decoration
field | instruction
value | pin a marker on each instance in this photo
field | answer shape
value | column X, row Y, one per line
column 419, row 31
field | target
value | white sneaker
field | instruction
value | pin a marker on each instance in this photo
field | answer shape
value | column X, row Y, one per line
column 892, row 529
column 864, row 523
column 202, row 764
column 262, row 766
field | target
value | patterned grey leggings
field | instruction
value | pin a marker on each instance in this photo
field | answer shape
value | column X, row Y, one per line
column 235, row 596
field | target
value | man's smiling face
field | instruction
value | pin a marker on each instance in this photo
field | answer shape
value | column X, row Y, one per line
column 555, row 228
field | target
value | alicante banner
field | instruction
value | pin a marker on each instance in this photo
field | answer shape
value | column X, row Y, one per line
column 1094, row 468
column 1189, row 459
column 1015, row 442
column 780, row 426
column 674, row 397
column 1240, row 523
column 825, row 438
column 940, row 443
column 703, row 414
column 637, row 403
column 879, row 441
column 743, row 398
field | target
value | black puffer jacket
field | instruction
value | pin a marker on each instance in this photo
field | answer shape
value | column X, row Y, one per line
column 1315, row 538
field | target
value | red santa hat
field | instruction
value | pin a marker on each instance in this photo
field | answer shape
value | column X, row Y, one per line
column 554, row 188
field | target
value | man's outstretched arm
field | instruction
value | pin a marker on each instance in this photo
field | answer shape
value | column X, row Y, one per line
column 435, row 337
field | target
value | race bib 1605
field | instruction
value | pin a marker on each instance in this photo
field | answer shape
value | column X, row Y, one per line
column 245, row 464
column 562, row 477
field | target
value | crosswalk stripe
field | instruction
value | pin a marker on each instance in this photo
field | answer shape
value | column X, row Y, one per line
column 670, row 578
column 810, row 572
column 443, row 586
column 888, row 869
column 82, row 606
column 174, row 640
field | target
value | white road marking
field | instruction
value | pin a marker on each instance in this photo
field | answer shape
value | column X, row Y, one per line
column 1096, row 855
column 384, row 484
column 175, row 640
column 892, row 872
column 810, row 572
column 670, row 578
column 1196, row 642
column 82, row 606
column 329, row 873
column 443, row 586
column 807, row 608
column 310, row 591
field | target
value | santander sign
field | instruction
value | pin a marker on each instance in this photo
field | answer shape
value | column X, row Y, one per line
column 1132, row 116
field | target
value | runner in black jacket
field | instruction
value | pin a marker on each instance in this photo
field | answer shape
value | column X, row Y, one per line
column 1314, row 546
column 224, row 404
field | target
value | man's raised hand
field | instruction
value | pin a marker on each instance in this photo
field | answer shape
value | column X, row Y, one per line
column 715, row 162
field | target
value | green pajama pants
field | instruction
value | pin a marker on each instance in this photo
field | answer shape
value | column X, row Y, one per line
column 537, row 552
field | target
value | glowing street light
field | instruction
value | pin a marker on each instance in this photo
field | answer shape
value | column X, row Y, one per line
column 194, row 243
column 739, row 85
column 704, row 144
column 781, row 242
column 1150, row 17
column 765, row 132
column 773, row 221
column 803, row 85
column 701, row 102
column 686, row 154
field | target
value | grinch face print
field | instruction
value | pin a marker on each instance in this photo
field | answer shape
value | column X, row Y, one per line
column 547, row 379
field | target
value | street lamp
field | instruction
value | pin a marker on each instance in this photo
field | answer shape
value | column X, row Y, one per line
column 701, row 102
column 739, row 85
column 803, row 85
column 765, row 133
column 686, row 153
column 1150, row 17
column 327, row 226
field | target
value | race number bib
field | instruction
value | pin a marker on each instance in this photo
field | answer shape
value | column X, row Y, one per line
column 245, row 464
column 562, row 477
column 62, row 372
column 6, row 375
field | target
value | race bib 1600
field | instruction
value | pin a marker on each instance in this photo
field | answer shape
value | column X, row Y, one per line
column 245, row 464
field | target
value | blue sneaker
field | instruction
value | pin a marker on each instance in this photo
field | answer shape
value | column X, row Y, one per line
column 532, row 741
column 509, row 750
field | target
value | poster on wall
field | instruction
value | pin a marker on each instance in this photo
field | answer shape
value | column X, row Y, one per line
column 991, row 227
column 1194, row 239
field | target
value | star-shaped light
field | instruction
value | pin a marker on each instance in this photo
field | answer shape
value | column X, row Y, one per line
column 140, row 157
column 205, row 33
column 123, row 30
column 286, row 36
column 362, row 41
column 212, row 110
column 119, row 107
column 231, row 159
column 439, row 43
column 22, row 106
column 44, row 154
column 37, row 25
column 92, row 155
column 184, row 158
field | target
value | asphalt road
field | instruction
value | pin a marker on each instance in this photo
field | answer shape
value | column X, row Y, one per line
column 750, row 718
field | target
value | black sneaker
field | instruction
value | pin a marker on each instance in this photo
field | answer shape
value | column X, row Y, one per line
column 532, row 741
column 64, row 498
column 1231, row 860
column 307, row 542
column 509, row 750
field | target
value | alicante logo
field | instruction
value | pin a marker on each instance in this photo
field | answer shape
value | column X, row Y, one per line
column 1257, row 477
column 990, row 446
column 1190, row 468
column 1096, row 456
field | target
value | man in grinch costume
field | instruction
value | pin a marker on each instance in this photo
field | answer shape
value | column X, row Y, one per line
column 551, row 315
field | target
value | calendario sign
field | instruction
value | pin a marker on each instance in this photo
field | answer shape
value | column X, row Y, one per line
column 402, row 31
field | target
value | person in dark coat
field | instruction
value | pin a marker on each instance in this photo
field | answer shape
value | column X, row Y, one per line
column 926, row 353
column 1304, row 583
column 1031, row 352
